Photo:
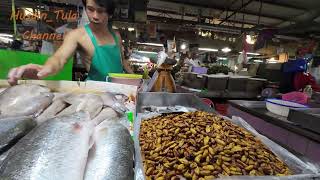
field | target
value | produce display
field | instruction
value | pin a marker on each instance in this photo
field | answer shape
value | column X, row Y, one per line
column 202, row 145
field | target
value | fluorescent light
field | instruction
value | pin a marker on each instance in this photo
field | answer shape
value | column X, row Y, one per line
column 130, row 29
column 151, row 44
column 147, row 52
column 258, row 61
column 249, row 53
column 272, row 60
column 5, row 39
column 226, row 50
column 250, row 40
column 208, row 49
column 183, row 46
column 145, row 59
column 222, row 58
column 6, row 35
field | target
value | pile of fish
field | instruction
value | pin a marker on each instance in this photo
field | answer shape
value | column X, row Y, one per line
column 53, row 136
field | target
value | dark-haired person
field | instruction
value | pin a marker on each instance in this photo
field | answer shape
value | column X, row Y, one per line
column 101, row 46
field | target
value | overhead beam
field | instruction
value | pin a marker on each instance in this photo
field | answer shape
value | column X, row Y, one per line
column 187, row 14
column 210, row 6
column 236, row 11
column 284, row 5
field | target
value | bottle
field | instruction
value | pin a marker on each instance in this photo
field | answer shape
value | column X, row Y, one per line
column 308, row 91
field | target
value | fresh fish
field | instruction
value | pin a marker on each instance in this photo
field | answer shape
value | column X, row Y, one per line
column 56, row 107
column 106, row 114
column 56, row 150
column 59, row 95
column 110, row 100
column 121, row 98
column 3, row 157
column 83, row 102
column 24, row 100
column 111, row 156
column 14, row 128
column 2, row 89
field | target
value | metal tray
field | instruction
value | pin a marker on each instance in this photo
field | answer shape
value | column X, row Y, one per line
column 306, row 118
column 170, row 99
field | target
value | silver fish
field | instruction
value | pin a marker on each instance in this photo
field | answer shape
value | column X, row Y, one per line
column 24, row 100
column 56, row 107
column 2, row 89
column 14, row 128
column 110, row 100
column 55, row 150
column 111, row 156
column 3, row 157
column 60, row 95
column 106, row 114
column 83, row 102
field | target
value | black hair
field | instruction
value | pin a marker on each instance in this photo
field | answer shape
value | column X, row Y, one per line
column 108, row 4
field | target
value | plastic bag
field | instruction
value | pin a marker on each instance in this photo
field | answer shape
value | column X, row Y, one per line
column 162, row 56
column 301, row 169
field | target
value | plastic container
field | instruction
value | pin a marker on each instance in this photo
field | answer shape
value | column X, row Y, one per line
column 131, row 76
column 217, row 82
column 128, row 79
column 297, row 97
column 200, row 70
column 281, row 107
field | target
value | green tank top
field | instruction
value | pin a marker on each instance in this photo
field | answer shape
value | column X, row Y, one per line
column 106, row 58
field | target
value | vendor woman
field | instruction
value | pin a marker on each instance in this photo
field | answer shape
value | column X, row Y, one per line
column 100, row 45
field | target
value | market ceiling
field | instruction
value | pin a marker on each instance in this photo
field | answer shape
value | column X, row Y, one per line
column 292, row 17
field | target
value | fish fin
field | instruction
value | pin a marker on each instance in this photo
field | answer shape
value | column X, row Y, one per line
column 93, row 138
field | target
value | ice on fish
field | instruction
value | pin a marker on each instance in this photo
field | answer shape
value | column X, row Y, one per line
column 24, row 100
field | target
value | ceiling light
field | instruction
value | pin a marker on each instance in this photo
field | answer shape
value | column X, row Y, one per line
column 150, row 44
column 145, row 59
column 147, row 52
column 250, row 39
column 130, row 29
column 6, row 35
column 183, row 46
column 258, row 61
column 226, row 50
column 222, row 58
column 6, row 39
column 249, row 53
column 273, row 60
column 208, row 49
